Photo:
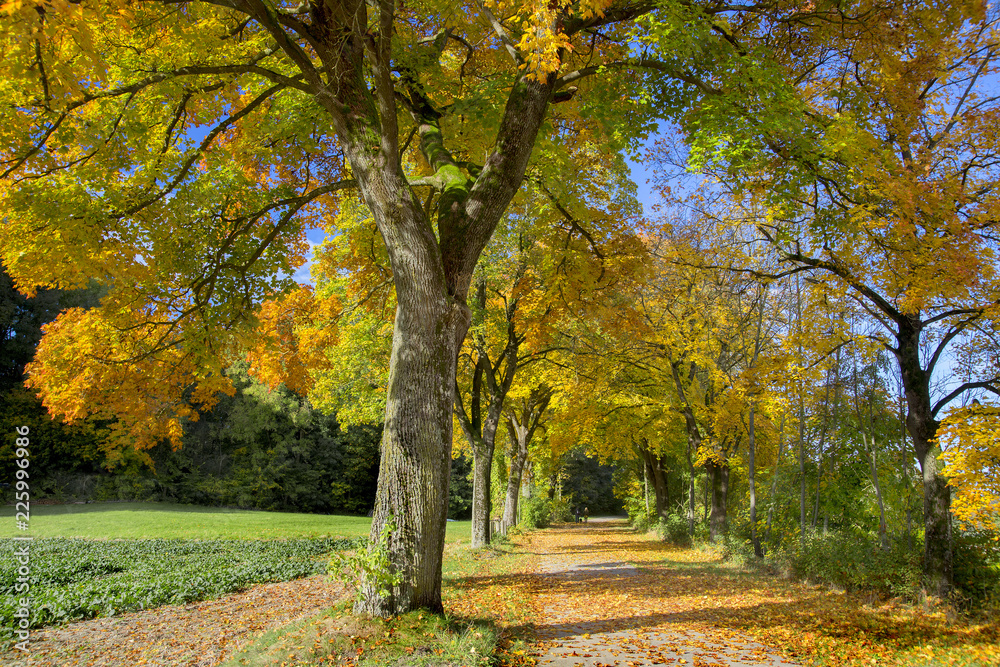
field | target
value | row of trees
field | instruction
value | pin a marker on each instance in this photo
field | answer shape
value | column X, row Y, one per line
column 176, row 152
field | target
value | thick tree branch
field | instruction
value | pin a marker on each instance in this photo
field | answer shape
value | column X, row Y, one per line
column 501, row 33
column 988, row 385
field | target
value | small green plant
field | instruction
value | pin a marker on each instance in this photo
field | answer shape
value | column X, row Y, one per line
column 368, row 566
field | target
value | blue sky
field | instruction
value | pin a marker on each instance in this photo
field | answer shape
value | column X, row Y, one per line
column 640, row 174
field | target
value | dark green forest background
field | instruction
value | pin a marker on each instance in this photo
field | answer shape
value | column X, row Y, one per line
column 259, row 449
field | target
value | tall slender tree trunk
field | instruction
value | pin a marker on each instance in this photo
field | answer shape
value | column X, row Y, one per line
column 802, row 470
column 774, row 480
column 694, row 439
column 752, row 432
column 518, row 459
column 645, row 486
column 751, row 447
column 706, row 508
column 822, row 442
column 521, row 426
column 882, row 528
column 493, row 385
column 691, row 476
column 905, row 463
column 654, row 464
column 802, row 419
column 866, row 421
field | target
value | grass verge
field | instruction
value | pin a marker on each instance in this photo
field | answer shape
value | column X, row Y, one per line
column 488, row 615
column 338, row 637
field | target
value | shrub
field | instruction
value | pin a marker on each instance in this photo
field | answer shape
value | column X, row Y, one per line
column 368, row 567
column 977, row 566
column 560, row 511
column 637, row 516
column 673, row 529
column 859, row 564
column 535, row 513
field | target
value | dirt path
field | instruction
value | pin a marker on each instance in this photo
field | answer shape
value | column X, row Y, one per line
column 201, row 634
column 606, row 600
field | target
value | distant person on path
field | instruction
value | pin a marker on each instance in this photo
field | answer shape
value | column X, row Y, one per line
column 576, row 513
column 586, row 514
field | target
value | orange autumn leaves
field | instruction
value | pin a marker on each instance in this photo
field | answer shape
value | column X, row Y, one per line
column 147, row 377
column 296, row 331
column 130, row 372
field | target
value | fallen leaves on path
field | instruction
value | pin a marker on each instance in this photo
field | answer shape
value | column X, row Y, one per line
column 650, row 603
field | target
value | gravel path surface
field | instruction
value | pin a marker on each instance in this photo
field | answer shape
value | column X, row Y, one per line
column 599, row 609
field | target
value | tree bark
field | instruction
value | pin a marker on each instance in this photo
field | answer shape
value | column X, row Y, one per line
column 694, row 438
column 519, row 456
column 718, row 521
column 416, row 453
column 482, row 506
column 521, row 425
column 654, row 464
column 480, row 430
column 691, row 473
column 751, row 446
column 774, row 480
column 922, row 427
column 432, row 280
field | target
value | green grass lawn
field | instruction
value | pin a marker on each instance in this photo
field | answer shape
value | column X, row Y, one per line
column 168, row 520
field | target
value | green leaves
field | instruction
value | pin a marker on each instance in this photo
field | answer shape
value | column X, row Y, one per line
column 74, row 579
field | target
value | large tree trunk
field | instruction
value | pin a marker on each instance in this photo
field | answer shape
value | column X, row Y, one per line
column 920, row 423
column 719, row 475
column 415, row 467
column 521, row 425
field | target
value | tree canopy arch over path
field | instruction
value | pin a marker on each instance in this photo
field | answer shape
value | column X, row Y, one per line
column 175, row 151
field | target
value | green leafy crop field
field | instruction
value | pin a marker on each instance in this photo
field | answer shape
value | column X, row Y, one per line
column 73, row 578
column 103, row 559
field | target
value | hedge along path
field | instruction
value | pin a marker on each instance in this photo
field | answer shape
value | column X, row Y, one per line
column 606, row 596
column 199, row 634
